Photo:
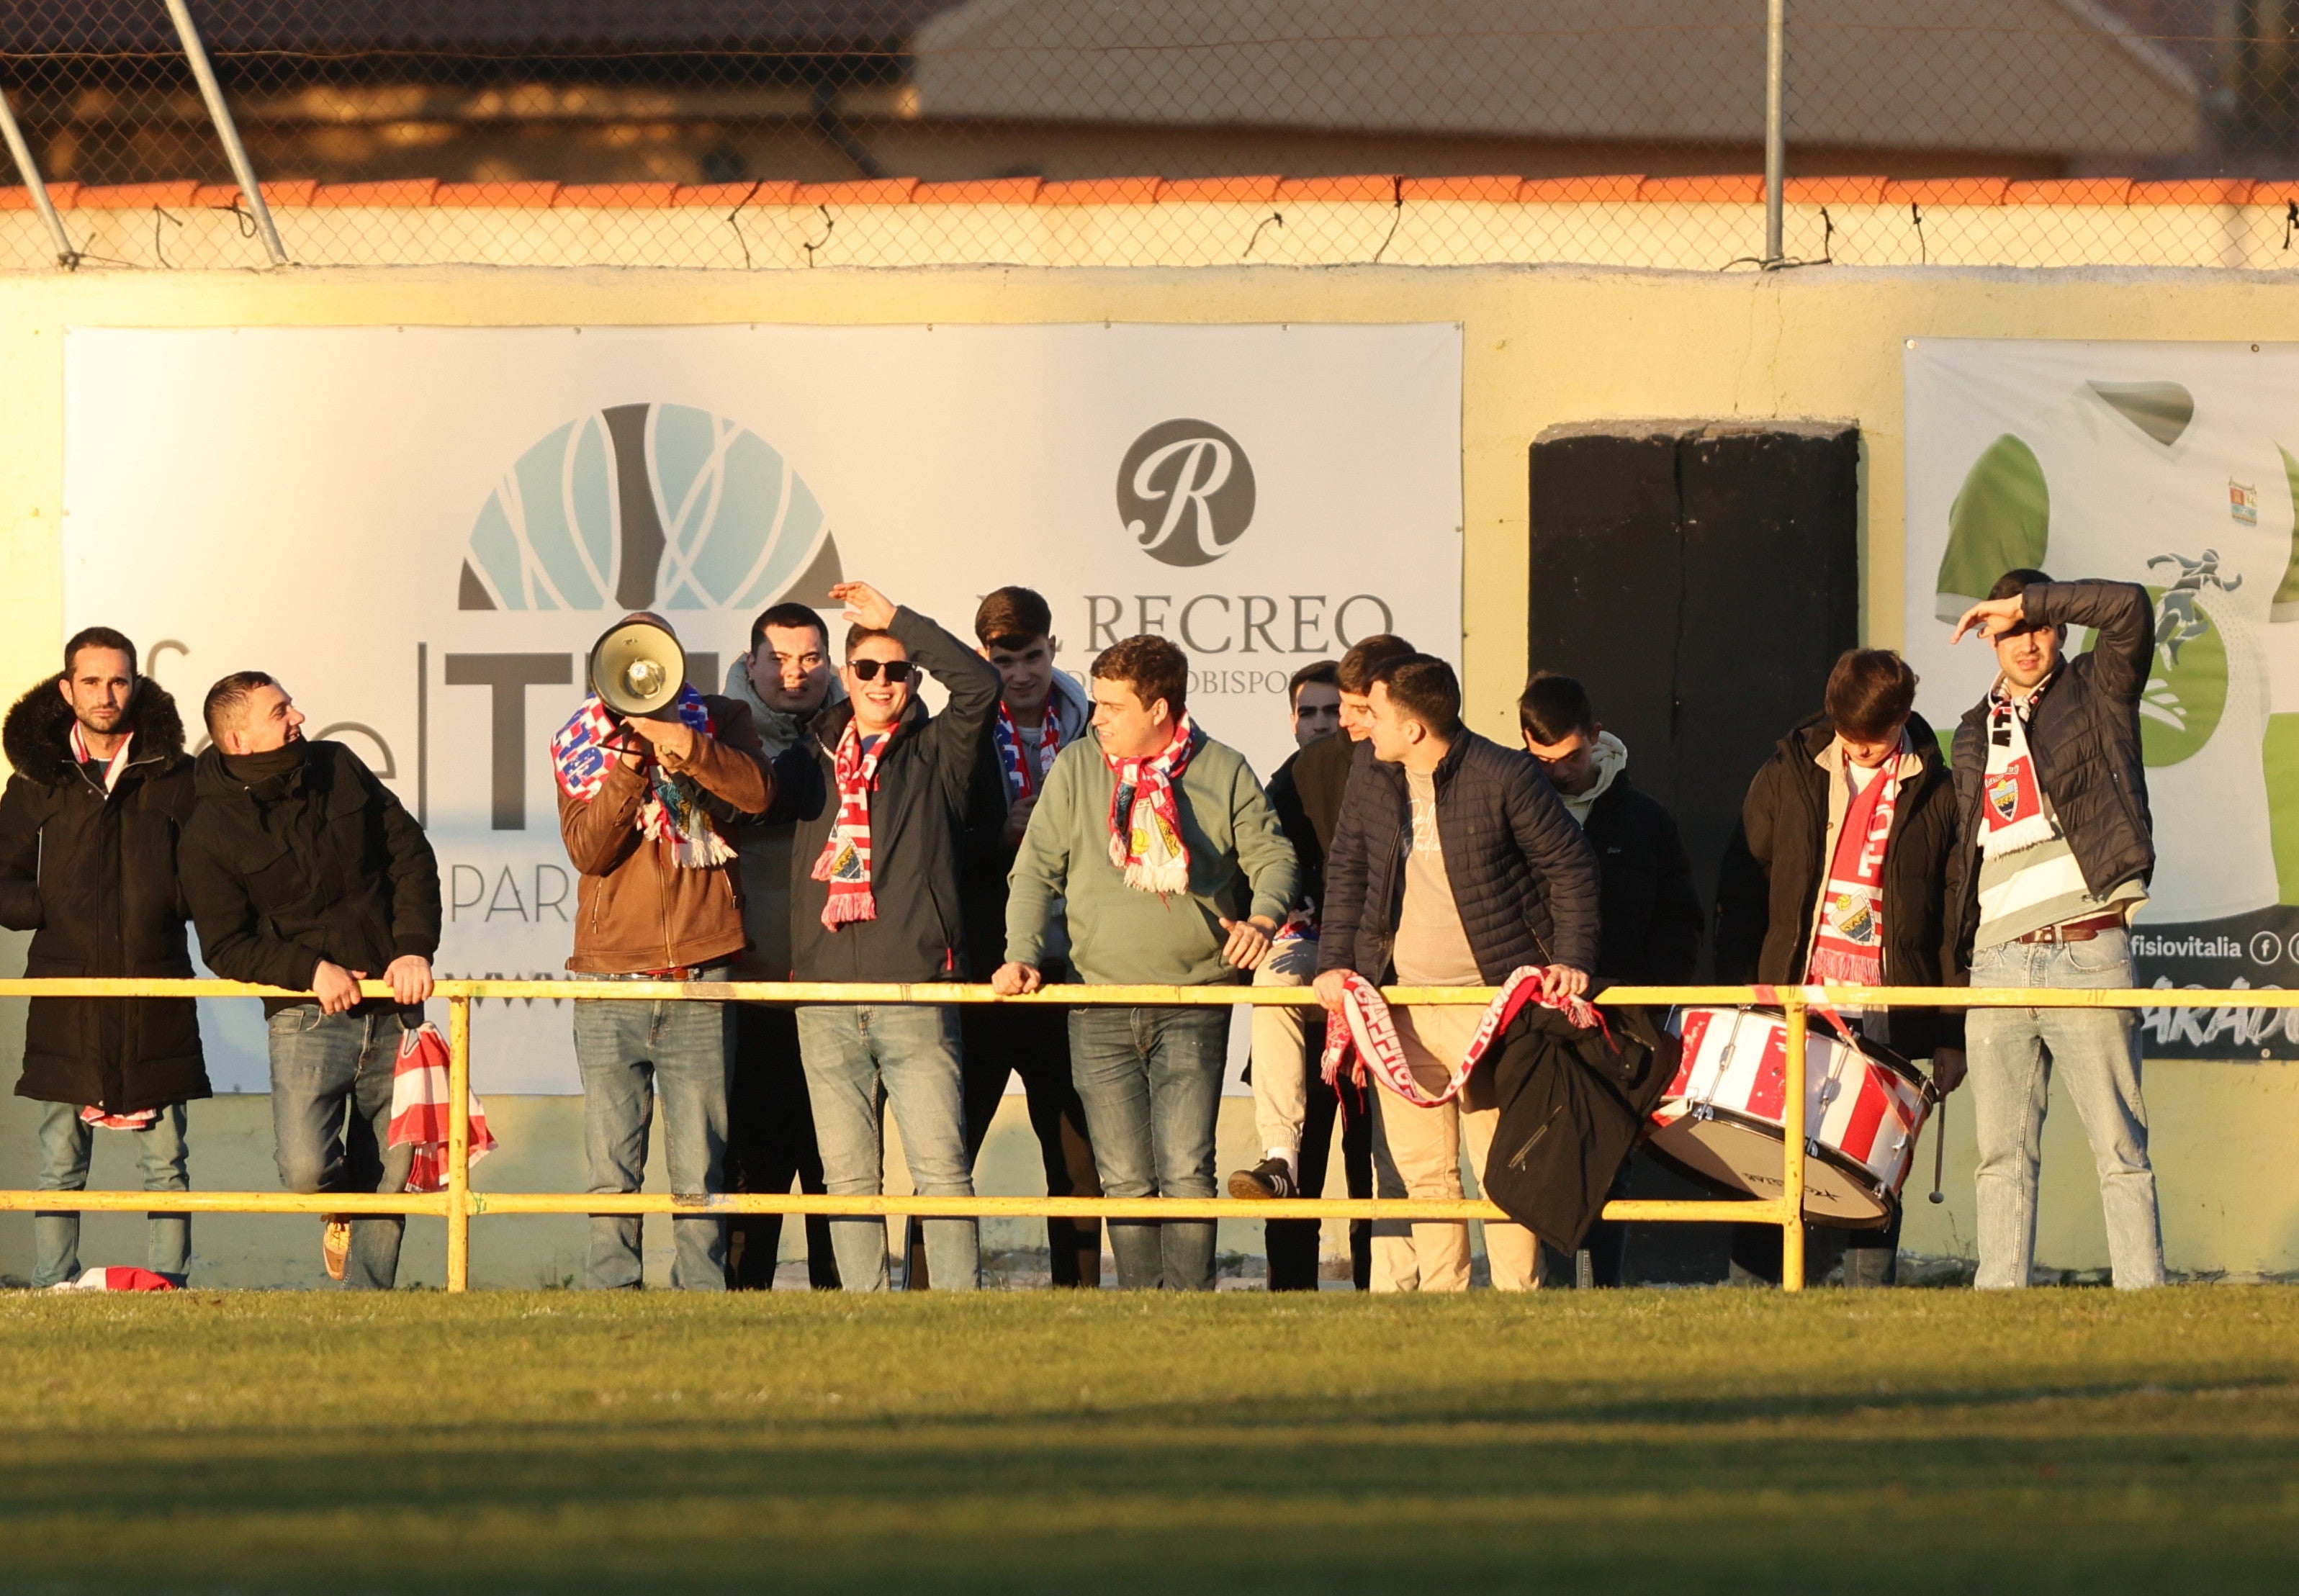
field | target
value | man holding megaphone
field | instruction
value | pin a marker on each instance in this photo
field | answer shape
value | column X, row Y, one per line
column 648, row 770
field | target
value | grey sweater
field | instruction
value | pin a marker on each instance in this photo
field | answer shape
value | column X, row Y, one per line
column 1239, row 864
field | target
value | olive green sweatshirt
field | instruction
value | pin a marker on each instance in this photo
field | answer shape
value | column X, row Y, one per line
column 1239, row 864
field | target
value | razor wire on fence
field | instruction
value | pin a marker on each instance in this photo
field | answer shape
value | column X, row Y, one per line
column 792, row 133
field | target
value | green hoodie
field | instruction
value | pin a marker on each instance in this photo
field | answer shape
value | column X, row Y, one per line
column 1239, row 864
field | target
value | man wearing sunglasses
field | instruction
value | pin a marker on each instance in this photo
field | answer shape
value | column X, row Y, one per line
column 878, row 789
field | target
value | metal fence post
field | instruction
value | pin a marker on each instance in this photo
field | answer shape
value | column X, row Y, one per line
column 1776, row 153
column 242, row 169
column 1792, row 1166
column 29, row 169
column 459, row 1144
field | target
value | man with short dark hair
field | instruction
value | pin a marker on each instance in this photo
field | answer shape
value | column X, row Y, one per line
column 1650, row 907
column 1041, row 711
column 88, row 829
column 784, row 681
column 640, row 802
column 2053, row 852
column 879, row 789
column 1294, row 1110
column 1173, row 872
column 303, row 870
column 1838, row 875
column 1455, row 865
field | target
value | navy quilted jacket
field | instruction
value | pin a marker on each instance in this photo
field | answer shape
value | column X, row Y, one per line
column 1523, row 876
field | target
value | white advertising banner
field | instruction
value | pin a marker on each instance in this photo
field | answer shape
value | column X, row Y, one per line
column 2168, row 465
column 420, row 532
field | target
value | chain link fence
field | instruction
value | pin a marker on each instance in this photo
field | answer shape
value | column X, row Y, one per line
column 753, row 133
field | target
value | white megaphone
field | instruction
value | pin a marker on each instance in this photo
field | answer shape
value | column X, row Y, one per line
column 637, row 669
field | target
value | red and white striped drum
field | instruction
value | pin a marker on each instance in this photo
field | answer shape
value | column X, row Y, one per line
column 1720, row 1121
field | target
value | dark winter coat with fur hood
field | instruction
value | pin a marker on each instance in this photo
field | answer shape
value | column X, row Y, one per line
column 92, row 875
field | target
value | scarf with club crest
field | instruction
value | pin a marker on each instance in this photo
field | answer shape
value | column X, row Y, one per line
column 845, row 861
column 1014, row 757
column 1145, row 817
column 2012, row 807
column 1847, row 937
column 584, row 750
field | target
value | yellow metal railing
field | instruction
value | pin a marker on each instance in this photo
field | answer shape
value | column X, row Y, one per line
column 459, row 1202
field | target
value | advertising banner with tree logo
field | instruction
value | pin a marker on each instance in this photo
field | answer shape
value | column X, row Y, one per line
column 421, row 532
column 2170, row 466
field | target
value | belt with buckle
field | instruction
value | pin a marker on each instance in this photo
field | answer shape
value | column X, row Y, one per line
column 2077, row 930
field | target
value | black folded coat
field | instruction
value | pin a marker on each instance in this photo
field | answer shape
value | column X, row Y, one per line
column 1571, row 1105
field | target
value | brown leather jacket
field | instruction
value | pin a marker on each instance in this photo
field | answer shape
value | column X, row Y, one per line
column 634, row 909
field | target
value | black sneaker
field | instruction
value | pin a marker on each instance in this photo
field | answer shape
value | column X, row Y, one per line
column 1272, row 1178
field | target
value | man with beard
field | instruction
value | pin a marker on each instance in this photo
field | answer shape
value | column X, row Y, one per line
column 88, row 831
column 303, row 871
column 784, row 681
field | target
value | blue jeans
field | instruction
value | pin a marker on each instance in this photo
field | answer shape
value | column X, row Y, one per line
column 331, row 1117
column 858, row 1059
column 1151, row 1081
column 2012, row 1053
column 629, row 1054
column 65, row 1145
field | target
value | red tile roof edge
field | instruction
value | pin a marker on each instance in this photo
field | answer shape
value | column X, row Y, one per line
column 1719, row 188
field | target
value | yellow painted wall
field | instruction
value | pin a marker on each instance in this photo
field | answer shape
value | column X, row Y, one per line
column 1543, row 345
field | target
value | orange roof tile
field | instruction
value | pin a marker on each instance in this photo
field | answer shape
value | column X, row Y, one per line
column 399, row 193
column 1617, row 190
column 1492, row 190
column 616, row 196
column 2196, row 191
column 512, row 197
column 1836, row 191
column 983, row 191
column 1717, row 189
column 1102, row 191
column 1249, row 191
column 2070, row 191
column 1946, row 190
column 1340, row 190
column 863, row 191
column 135, row 196
column 731, row 194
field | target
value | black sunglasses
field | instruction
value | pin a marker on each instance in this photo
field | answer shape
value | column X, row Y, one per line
column 897, row 671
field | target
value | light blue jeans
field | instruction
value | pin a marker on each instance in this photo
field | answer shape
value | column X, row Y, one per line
column 2012, row 1053
column 628, row 1054
column 1150, row 1080
column 331, row 1077
column 65, row 1147
column 858, row 1059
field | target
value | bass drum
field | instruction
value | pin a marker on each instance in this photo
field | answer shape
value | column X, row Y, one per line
column 1721, row 1121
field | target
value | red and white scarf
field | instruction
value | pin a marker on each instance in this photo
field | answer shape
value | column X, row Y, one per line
column 116, row 1278
column 1366, row 1040
column 2012, row 796
column 1013, row 754
column 585, row 749
column 1847, row 937
column 1145, row 817
column 112, row 771
column 419, row 1103
column 143, row 1119
column 845, row 861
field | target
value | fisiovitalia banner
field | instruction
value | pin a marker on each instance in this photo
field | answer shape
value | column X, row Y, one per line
column 2168, row 465
column 421, row 531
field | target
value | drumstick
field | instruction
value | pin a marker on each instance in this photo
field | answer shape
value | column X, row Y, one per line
column 1940, row 1149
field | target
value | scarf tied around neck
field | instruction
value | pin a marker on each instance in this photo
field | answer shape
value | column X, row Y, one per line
column 1145, row 817
column 845, row 861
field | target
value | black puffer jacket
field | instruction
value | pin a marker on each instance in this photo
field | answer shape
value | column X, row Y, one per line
column 93, row 877
column 1523, row 876
column 322, row 863
column 916, row 816
column 1774, row 867
column 2084, row 733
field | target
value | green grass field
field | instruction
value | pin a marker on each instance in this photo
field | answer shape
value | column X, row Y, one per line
column 1935, row 1441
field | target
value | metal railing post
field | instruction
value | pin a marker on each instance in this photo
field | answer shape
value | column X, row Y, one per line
column 242, row 169
column 29, row 169
column 459, row 1144
column 1776, row 150
column 1792, row 1131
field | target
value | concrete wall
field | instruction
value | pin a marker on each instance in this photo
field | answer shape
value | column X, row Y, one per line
column 1543, row 346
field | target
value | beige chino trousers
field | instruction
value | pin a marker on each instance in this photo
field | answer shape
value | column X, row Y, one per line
column 1417, row 1151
